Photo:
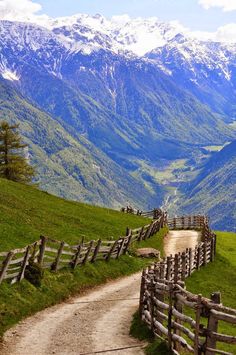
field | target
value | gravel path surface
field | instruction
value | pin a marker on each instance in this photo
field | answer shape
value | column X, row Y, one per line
column 178, row 241
column 95, row 323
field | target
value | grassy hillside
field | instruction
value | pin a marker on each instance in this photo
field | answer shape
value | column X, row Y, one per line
column 26, row 213
column 219, row 276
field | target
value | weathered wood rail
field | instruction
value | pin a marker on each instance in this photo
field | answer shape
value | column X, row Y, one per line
column 54, row 255
column 185, row 320
column 154, row 214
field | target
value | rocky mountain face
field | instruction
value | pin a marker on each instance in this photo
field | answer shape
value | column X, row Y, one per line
column 133, row 91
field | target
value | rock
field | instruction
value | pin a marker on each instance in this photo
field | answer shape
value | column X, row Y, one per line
column 148, row 253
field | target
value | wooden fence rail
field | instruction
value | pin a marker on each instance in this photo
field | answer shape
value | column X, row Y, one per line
column 53, row 254
column 154, row 214
column 171, row 311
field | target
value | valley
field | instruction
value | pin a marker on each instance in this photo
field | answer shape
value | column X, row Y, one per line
column 105, row 121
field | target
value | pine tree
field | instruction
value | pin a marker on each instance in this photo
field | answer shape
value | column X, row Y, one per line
column 13, row 165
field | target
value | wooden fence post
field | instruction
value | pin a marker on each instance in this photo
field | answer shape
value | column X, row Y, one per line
column 160, row 297
column 42, row 249
column 189, row 222
column 179, row 307
column 128, row 243
column 88, row 252
column 113, row 247
column 183, row 264
column 140, row 234
column 169, row 267
column 142, row 289
column 212, row 325
column 146, row 233
column 215, row 238
column 190, row 261
column 213, row 248
column 151, row 229
column 77, row 254
column 169, row 326
column 55, row 265
column 198, row 257
column 176, row 269
column 152, row 304
column 205, row 252
column 5, row 265
column 96, row 250
column 197, row 326
column 24, row 264
column 162, row 269
column 120, row 250
column 33, row 255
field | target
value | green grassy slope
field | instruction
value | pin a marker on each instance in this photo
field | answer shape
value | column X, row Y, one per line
column 219, row 276
column 26, row 213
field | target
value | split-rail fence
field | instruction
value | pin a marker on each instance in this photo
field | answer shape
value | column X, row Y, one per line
column 54, row 255
column 185, row 320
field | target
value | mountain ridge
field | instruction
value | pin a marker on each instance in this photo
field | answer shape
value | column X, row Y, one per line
column 131, row 110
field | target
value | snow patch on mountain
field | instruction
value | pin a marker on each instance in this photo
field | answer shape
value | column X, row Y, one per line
column 6, row 72
column 9, row 75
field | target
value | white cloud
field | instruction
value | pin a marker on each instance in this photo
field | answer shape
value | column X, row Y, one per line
column 227, row 33
column 226, row 5
column 19, row 10
column 224, row 34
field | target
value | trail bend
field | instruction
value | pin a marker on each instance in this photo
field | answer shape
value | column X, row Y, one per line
column 95, row 323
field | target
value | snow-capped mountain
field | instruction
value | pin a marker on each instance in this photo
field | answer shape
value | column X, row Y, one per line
column 101, row 58
column 166, row 43
column 120, row 34
column 136, row 90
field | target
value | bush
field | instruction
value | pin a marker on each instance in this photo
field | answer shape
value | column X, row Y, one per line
column 34, row 273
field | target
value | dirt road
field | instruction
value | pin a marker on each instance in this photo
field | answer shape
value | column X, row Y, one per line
column 91, row 324
column 95, row 323
column 178, row 241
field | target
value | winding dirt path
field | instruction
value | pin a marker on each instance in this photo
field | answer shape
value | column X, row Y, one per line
column 95, row 323
column 178, row 241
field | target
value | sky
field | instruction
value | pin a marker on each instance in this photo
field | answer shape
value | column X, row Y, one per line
column 196, row 15
column 202, row 15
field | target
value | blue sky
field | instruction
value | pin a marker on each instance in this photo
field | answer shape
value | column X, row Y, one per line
column 189, row 12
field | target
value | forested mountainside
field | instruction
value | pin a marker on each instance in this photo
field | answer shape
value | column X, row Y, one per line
column 68, row 164
column 213, row 191
column 96, row 105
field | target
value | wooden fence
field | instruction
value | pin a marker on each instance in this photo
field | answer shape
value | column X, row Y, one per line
column 185, row 320
column 53, row 254
column 154, row 214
